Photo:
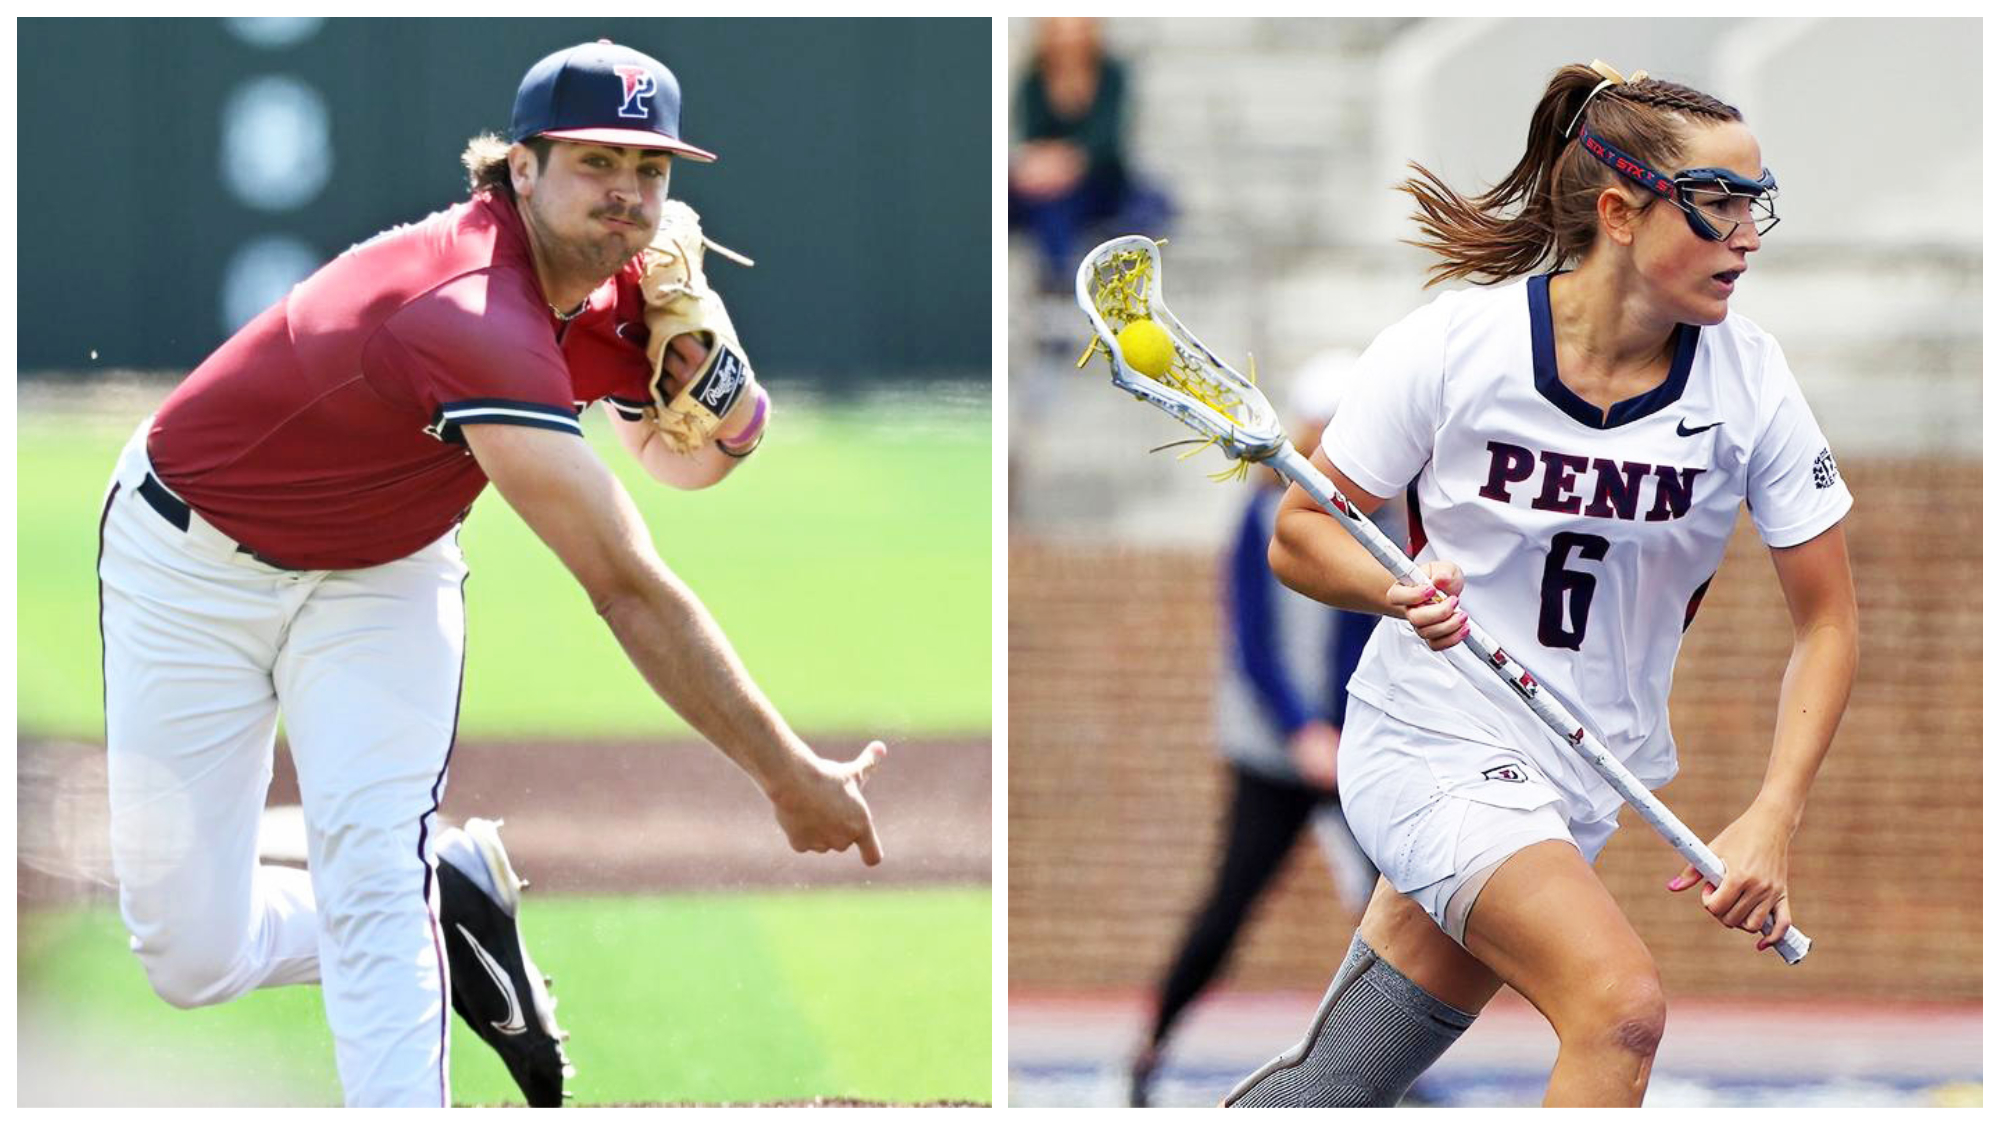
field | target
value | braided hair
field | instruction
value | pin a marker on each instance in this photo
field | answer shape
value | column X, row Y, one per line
column 1545, row 210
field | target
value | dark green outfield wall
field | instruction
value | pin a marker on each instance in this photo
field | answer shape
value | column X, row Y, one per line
column 856, row 168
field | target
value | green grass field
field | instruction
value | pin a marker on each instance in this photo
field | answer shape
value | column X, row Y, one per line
column 684, row 998
column 850, row 562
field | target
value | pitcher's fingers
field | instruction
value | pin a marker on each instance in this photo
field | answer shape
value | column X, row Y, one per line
column 871, row 848
column 865, row 762
column 689, row 348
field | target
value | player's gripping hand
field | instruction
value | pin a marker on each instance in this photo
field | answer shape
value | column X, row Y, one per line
column 685, row 356
column 1438, row 621
column 821, row 809
column 1756, row 858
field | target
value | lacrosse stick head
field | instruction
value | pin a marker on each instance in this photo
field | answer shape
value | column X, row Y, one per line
column 1120, row 283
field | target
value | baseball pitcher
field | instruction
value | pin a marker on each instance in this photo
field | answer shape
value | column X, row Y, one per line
column 283, row 536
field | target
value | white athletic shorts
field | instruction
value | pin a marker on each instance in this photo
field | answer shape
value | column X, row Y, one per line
column 1429, row 830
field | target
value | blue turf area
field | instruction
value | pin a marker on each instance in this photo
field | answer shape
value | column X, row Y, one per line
column 1074, row 1051
column 1086, row 1084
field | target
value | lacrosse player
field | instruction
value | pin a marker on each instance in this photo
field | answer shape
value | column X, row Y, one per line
column 1575, row 446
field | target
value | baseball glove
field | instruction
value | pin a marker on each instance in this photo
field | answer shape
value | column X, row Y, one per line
column 679, row 300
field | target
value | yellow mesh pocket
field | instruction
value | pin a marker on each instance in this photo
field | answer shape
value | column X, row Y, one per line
column 1121, row 287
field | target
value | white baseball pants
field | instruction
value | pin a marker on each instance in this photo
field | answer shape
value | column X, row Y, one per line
column 204, row 646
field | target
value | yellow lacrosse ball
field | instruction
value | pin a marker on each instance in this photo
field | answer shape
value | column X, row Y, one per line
column 1147, row 348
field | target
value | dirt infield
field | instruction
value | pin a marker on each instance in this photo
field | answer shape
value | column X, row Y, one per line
column 598, row 818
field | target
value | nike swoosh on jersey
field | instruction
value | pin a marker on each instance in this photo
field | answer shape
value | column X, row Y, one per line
column 1681, row 428
column 513, row 1024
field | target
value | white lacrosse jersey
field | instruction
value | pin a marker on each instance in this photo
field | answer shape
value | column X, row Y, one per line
column 1586, row 540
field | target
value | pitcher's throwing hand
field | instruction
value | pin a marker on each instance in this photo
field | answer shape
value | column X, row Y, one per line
column 821, row 809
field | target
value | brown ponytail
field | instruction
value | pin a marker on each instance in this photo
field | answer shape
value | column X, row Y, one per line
column 1545, row 210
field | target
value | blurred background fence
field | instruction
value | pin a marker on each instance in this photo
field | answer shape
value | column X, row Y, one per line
column 179, row 175
column 1278, row 142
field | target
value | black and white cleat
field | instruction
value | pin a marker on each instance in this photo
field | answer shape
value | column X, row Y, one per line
column 495, row 986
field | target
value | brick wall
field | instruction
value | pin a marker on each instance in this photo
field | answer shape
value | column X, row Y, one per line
column 1115, row 792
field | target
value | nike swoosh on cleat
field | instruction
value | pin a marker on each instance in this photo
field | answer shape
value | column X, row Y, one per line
column 513, row 1024
column 1681, row 428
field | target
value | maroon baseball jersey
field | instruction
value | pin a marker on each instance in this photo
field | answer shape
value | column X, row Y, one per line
column 326, row 433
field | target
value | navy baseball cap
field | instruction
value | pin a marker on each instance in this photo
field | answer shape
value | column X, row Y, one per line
column 604, row 94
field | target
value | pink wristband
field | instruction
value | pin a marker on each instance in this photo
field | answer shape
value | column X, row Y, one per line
column 751, row 430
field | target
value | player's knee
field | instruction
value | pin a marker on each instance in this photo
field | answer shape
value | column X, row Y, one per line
column 189, row 978
column 1639, row 1032
column 1627, row 1014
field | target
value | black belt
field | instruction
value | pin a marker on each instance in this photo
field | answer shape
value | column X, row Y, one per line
column 166, row 503
column 176, row 512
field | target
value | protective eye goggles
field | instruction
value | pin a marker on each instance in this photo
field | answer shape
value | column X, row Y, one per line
column 1715, row 200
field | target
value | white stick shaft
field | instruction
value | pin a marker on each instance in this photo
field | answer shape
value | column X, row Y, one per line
column 1480, row 650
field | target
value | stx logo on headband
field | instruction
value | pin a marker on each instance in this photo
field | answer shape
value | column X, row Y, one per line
column 1627, row 166
column 639, row 86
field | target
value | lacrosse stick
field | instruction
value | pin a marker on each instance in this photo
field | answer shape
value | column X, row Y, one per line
column 1120, row 283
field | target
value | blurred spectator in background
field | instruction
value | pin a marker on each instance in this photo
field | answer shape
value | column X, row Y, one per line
column 1279, row 707
column 1069, row 172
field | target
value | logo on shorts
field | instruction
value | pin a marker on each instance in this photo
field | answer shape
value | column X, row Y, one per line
column 638, row 86
column 1507, row 771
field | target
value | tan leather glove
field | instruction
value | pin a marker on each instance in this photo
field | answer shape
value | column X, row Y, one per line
column 679, row 301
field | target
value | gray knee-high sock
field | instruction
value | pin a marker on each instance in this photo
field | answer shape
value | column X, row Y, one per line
column 1373, row 1035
